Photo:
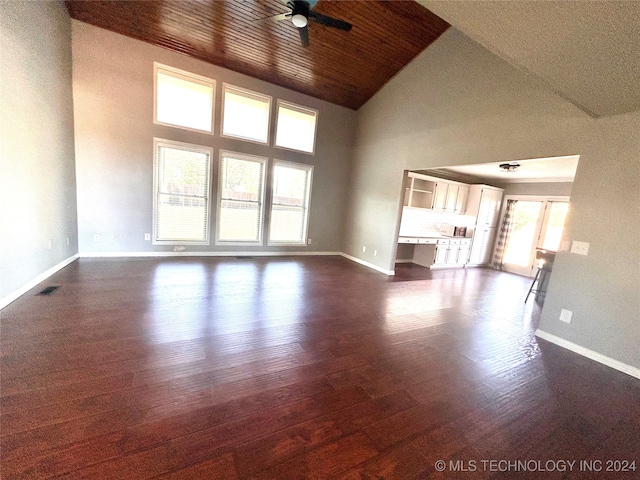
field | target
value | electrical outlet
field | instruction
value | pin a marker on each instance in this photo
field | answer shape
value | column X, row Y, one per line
column 147, row 236
column 309, row 241
column 364, row 248
column 375, row 253
column 96, row 237
column 565, row 315
column 116, row 237
column 68, row 240
column 580, row 248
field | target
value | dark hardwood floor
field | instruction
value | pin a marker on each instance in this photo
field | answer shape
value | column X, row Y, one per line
column 297, row 368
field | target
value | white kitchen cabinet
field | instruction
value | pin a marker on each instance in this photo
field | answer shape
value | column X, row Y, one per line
column 461, row 199
column 482, row 245
column 452, row 255
column 419, row 191
column 463, row 252
column 452, row 197
column 441, row 252
column 440, row 196
column 440, row 257
column 422, row 191
column 484, row 203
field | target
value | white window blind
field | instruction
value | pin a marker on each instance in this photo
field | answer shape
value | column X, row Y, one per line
column 184, row 99
column 290, row 203
column 296, row 127
column 181, row 206
column 240, row 198
column 245, row 114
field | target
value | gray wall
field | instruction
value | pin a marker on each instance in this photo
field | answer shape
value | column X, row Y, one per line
column 457, row 103
column 37, row 179
column 552, row 189
column 113, row 97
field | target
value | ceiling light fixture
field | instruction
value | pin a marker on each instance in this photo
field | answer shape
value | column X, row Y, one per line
column 509, row 167
column 299, row 20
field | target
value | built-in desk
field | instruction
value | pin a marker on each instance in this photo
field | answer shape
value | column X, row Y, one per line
column 439, row 251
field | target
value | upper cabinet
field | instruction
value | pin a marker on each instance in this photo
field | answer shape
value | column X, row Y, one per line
column 440, row 196
column 422, row 191
column 419, row 191
column 484, row 203
column 461, row 199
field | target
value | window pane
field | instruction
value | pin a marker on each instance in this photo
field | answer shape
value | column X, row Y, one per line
column 239, row 221
column 296, row 128
column 182, row 196
column 246, row 115
column 240, row 202
column 290, row 204
column 289, row 185
column 287, row 224
column 555, row 225
column 184, row 102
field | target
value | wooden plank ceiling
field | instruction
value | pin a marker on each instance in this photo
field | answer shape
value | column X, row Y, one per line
column 346, row 68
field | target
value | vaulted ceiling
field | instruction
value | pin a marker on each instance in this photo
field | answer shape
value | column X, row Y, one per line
column 587, row 52
column 346, row 68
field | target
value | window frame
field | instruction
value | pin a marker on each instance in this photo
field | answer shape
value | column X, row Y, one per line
column 301, row 166
column 241, row 156
column 190, row 77
column 248, row 93
column 158, row 142
column 301, row 109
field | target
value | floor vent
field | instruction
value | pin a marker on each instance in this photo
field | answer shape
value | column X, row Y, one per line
column 49, row 290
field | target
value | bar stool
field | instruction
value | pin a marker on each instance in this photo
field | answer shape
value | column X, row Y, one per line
column 545, row 263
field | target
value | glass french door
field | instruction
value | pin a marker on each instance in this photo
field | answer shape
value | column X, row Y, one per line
column 536, row 224
column 552, row 225
column 519, row 253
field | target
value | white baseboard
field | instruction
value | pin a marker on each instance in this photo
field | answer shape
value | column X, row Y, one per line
column 408, row 260
column 6, row 300
column 370, row 265
column 585, row 352
column 200, row 254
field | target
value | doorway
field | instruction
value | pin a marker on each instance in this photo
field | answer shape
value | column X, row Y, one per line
column 536, row 223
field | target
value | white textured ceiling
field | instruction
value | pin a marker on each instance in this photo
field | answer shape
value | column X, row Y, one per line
column 556, row 169
column 586, row 51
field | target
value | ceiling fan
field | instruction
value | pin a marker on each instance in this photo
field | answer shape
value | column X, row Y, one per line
column 300, row 15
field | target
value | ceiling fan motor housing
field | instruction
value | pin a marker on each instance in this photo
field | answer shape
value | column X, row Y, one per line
column 299, row 13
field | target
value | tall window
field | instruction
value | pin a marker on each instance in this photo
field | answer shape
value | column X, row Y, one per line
column 240, row 198
column 290, row 203
column 181, row 200
column 245, row 114
column 183, row 99
column 296, row 127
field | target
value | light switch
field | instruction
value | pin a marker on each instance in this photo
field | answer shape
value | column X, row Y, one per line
column 580, row 248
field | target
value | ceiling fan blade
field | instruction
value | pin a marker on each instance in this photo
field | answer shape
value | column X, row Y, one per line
column 304, row 36
column 275, row 18
column 329, row 21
